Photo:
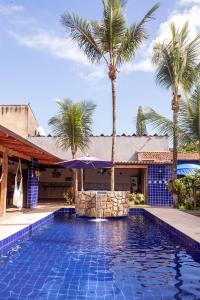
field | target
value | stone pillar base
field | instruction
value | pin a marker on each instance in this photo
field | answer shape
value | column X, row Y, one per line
column 110, row 204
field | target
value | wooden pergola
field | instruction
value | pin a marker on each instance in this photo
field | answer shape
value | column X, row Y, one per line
column 13, row 145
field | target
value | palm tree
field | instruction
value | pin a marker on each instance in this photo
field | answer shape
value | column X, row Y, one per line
column 188, row 122
column 109, row 40
column 190, row 119
column 176, row 66
column 72, row 126
column 141, row 122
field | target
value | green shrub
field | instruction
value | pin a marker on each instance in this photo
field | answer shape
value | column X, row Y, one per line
column 132, row 197
column 137, row 199
column 68, row 198
column 177, row 187
column 187, row 189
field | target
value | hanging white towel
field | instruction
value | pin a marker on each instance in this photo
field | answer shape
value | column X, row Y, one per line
column 18, row 191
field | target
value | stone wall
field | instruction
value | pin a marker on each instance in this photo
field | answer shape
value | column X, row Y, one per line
column 92, row 204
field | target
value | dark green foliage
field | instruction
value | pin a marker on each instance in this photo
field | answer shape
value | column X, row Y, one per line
column 187, row 189
column 188, row 125
column 141, row 123
column 177, row 60
column 109, row 38
column 72, row 124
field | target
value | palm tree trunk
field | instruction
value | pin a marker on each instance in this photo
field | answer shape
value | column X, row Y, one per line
column 175, row 108
column 113, row 83
column 75, row 176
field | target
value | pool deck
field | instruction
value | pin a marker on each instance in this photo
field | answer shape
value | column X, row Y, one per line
column 15, row 220
column 186, row 223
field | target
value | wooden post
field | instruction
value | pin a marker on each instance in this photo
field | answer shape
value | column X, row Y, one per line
column 82, row 184
column 4, row 184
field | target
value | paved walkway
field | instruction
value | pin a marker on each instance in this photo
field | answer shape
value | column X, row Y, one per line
column 15, row 220
column 184, row 222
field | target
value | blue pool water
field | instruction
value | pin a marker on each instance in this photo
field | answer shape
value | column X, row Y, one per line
column 115, row 260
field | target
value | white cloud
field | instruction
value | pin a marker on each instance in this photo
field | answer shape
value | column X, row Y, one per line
column 144, row 65
column 10, row 9
column 189, row 2
column 27, row 32
column 179, row 18
column 97, row 73
column 57, row 46
column 62, row 48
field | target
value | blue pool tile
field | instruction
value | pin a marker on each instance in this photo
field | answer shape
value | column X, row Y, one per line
column 66, row 258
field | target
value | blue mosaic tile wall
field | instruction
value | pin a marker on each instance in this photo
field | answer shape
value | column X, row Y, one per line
column 158, row 176
column 32, row 186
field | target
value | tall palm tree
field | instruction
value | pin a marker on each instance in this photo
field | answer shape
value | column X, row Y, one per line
column 109, row 40
column 72, row 126
column 188, row 122
column 190, row 119
column 176, row 66
column 141, row 128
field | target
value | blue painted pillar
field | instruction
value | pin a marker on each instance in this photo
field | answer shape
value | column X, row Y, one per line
column 158, row 176
column 32, row 186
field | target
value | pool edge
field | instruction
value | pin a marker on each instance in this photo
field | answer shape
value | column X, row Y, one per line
column 9, row 242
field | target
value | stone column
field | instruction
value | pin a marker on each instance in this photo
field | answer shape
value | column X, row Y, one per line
column 32, row 186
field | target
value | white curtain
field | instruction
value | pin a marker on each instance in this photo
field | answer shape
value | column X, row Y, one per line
column 18, row 191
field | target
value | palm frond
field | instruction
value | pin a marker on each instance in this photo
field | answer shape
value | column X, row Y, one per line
column 160, row 124
column 133, row 37
column 72, row 124
column 141, row 128
column 163, row 126
column 149, row 15
column 177, row 60
column 112, row 27
column 190, row 116
column 80, row 31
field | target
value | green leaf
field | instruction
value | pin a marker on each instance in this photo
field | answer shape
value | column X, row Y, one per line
column 72, row 125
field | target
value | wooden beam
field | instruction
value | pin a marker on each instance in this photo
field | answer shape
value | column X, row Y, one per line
column 15, row 153
column 4, row 184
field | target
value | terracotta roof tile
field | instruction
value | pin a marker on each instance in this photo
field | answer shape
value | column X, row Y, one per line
column 165, row 156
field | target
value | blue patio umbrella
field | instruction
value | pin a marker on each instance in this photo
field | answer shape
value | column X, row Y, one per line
column 186, row 169
column 86, row 162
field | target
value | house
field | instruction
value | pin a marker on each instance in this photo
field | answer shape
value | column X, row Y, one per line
column 131, row 173
column 143, row 163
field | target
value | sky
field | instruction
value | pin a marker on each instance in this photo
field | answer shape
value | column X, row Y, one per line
column 39, row 63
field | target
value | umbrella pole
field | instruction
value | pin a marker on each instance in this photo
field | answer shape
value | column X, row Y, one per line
column 82, row 188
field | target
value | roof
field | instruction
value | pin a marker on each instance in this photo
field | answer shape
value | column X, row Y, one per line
column 127, row 147
column 21, row 147
column 165, row 156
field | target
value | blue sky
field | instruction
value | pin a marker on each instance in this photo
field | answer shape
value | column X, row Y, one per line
column 39, row 64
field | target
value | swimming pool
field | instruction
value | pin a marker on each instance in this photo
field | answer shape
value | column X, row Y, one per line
column 71, row 258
